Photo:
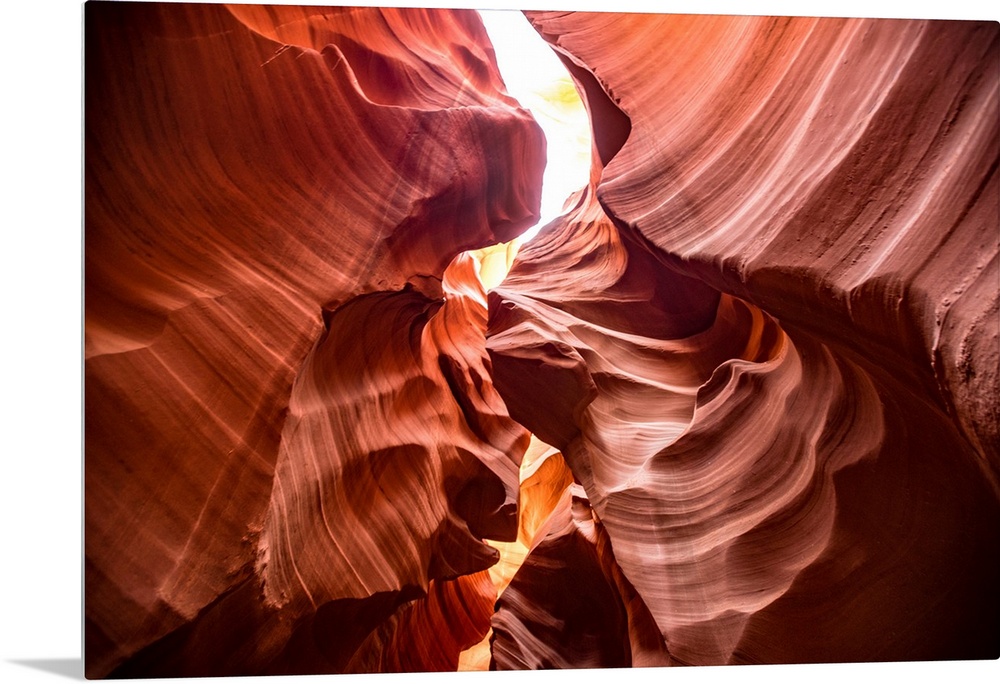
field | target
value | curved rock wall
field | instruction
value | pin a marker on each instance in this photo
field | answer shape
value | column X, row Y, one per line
column 760, row 349
column 709, row 524
column 798, row 470
column 272, row 197
column 819, row 165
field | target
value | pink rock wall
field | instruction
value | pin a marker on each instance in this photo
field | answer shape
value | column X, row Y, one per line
column 763, row 344
column 268, row 223
column 796, row 471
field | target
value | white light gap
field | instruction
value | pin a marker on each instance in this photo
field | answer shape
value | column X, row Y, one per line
column 539, row 81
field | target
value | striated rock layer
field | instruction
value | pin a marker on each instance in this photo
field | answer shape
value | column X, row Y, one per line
column 757, row 357
column 766, row 340
column 290, row 425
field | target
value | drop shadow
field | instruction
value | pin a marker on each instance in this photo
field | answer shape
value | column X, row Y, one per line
column 71, row 668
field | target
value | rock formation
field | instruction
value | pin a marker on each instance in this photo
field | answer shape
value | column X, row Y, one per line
column 289, row 414
column 742, row 396
column 764, row 377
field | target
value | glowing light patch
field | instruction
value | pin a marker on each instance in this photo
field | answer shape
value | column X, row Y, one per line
column 538, row 80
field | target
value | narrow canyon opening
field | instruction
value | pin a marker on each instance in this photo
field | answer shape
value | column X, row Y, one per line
column 539, row 81
column 674, row 343
column 674, row 418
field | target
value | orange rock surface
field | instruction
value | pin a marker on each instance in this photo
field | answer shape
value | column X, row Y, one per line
column 776, row 377
column 289, row 418
column 737, row 405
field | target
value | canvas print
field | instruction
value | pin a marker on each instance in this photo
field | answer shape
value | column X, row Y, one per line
column 682, row 350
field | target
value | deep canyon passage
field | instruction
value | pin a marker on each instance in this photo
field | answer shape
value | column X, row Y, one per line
column 737, row 404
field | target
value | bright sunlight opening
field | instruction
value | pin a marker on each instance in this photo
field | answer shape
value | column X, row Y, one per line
column 539, row 81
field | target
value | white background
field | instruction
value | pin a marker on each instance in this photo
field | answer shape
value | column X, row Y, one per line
column 41, row 562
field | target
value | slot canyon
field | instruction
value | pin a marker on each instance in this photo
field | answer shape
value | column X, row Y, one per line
column 737, row 404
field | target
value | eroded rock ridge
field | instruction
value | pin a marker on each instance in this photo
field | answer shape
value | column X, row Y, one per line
column 738, row 404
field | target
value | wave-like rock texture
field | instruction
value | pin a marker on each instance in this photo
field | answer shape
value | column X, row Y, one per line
column 759, row 352
column 819, row 165
column 765, row 339
column 541, row 621
column 291, row 432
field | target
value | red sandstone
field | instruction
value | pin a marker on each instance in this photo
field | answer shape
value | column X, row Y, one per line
column 763, row 344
